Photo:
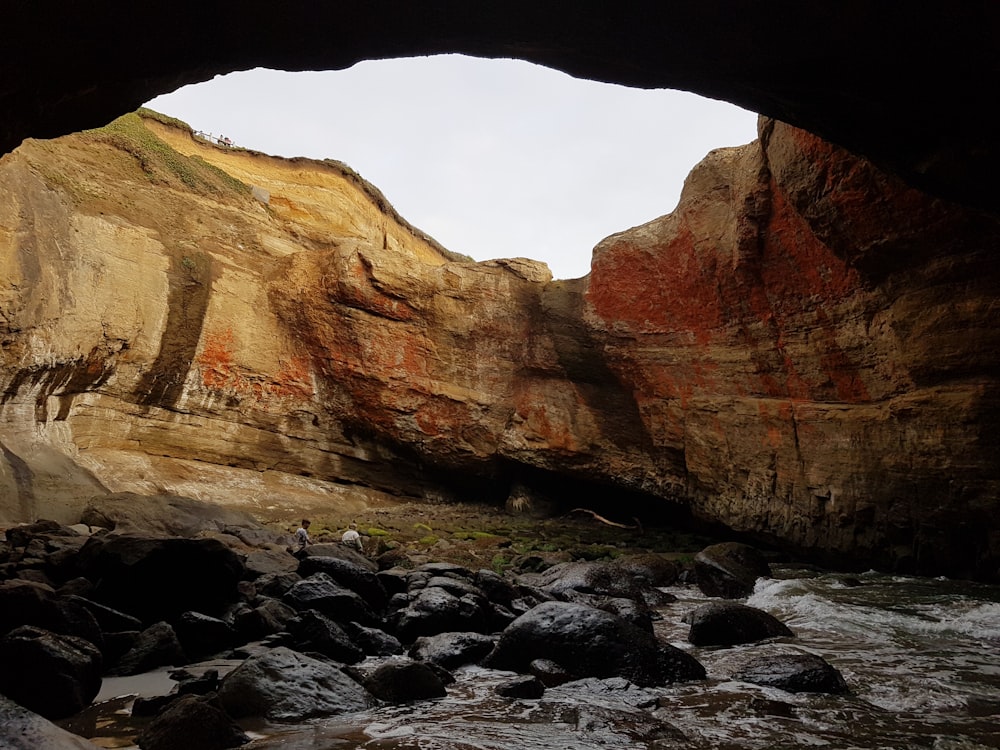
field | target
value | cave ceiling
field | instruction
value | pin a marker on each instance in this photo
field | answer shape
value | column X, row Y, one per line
column 913, row 86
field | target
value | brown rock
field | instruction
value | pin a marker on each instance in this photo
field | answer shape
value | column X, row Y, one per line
column 801, row 351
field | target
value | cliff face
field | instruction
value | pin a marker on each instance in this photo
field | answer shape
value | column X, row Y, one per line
column 803, row 350
column 814, row 343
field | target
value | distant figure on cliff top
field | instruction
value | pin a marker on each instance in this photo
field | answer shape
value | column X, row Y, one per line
column 352, row 538
column 302, row 539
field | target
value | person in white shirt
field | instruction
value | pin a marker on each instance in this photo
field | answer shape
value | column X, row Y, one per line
column 352, row 538
column 302, row 539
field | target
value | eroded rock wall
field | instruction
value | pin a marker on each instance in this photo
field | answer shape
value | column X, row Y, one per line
column 817, row 341
column 802, row 351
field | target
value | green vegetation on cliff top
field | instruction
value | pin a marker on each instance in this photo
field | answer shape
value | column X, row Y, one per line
column 161, row 163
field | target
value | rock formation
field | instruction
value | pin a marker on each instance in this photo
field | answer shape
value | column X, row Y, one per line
column 802, row 351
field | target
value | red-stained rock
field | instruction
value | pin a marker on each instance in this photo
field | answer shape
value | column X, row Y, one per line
column 804, row 350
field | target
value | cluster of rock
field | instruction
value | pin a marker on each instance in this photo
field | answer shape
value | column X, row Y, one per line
column 77, row 606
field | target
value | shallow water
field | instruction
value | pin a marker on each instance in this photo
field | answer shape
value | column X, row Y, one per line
column 921, row 657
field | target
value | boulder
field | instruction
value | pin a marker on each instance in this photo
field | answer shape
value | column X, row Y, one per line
column 373, row 641
column 650, row 568
column 452, row 650
column 550, row 673
column 156, row 646
column 276, row 584
column 496, row 588
column 51, row 674
column 525, row 687
column 22, row 535
column 443, row 568
column 342, row 552
column 434, row 610
column 589, row 642
column 109, row 619
column 730, row 623
column 629, row 580
column 401, row 680
column 314, row 631
column 157, row 579
column 634, row 611
column 201, row 635
column 794, row 673
column 359, row 579
column 286, row 686
column 267, row 618
column 191, row 723
column 262, row 562
column 29, row 603
column 321, row 593
column 21, row 729
column 455, row 586
column 729, row 570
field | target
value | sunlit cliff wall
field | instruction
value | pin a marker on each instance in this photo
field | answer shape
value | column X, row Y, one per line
column 803, row 350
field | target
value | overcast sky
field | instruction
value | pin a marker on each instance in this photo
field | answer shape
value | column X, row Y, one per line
column 493, row 158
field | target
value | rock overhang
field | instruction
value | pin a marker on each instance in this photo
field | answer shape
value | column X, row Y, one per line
column 911, row 87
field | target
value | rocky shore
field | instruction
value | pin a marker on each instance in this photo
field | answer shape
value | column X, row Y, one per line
column 172, row 583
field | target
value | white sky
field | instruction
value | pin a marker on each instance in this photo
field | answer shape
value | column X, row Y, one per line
column 492, row 158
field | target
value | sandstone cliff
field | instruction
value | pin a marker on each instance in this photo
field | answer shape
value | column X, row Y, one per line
column 803, row 350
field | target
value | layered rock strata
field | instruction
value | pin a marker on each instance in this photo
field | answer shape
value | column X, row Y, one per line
column 802, row 350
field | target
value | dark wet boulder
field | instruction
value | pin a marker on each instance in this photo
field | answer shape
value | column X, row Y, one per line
column 201, row 635
column 496, row 588
column 730, row 623
column 452, row 650
column 446, row 569
column 21, row 729
column 359, row 579
column 455, row 586
column 157, row 579
column 373, row 641
column 51, row 674
column 636, row 577
column 322, row 593
column 523, row 687
column 268, row 617
column 402, row 680
column 116, row 645
column 393, row 580
column 261, row 562
column 109, row 619
column 78, row 586
column 284, row 685
column 602, row 578
column 632, row 610
column 499, row 617
column 276, row 585
column 729, row 570
column 650, row 568
column 28, row 603
column 550, row 673
column 189, row 683
column 156, row 646
column 21, row 536
column 794, row 673
column 192, row 723
column 434, row 610
column 315, row 632
column 589, row 642
column 341, row 551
